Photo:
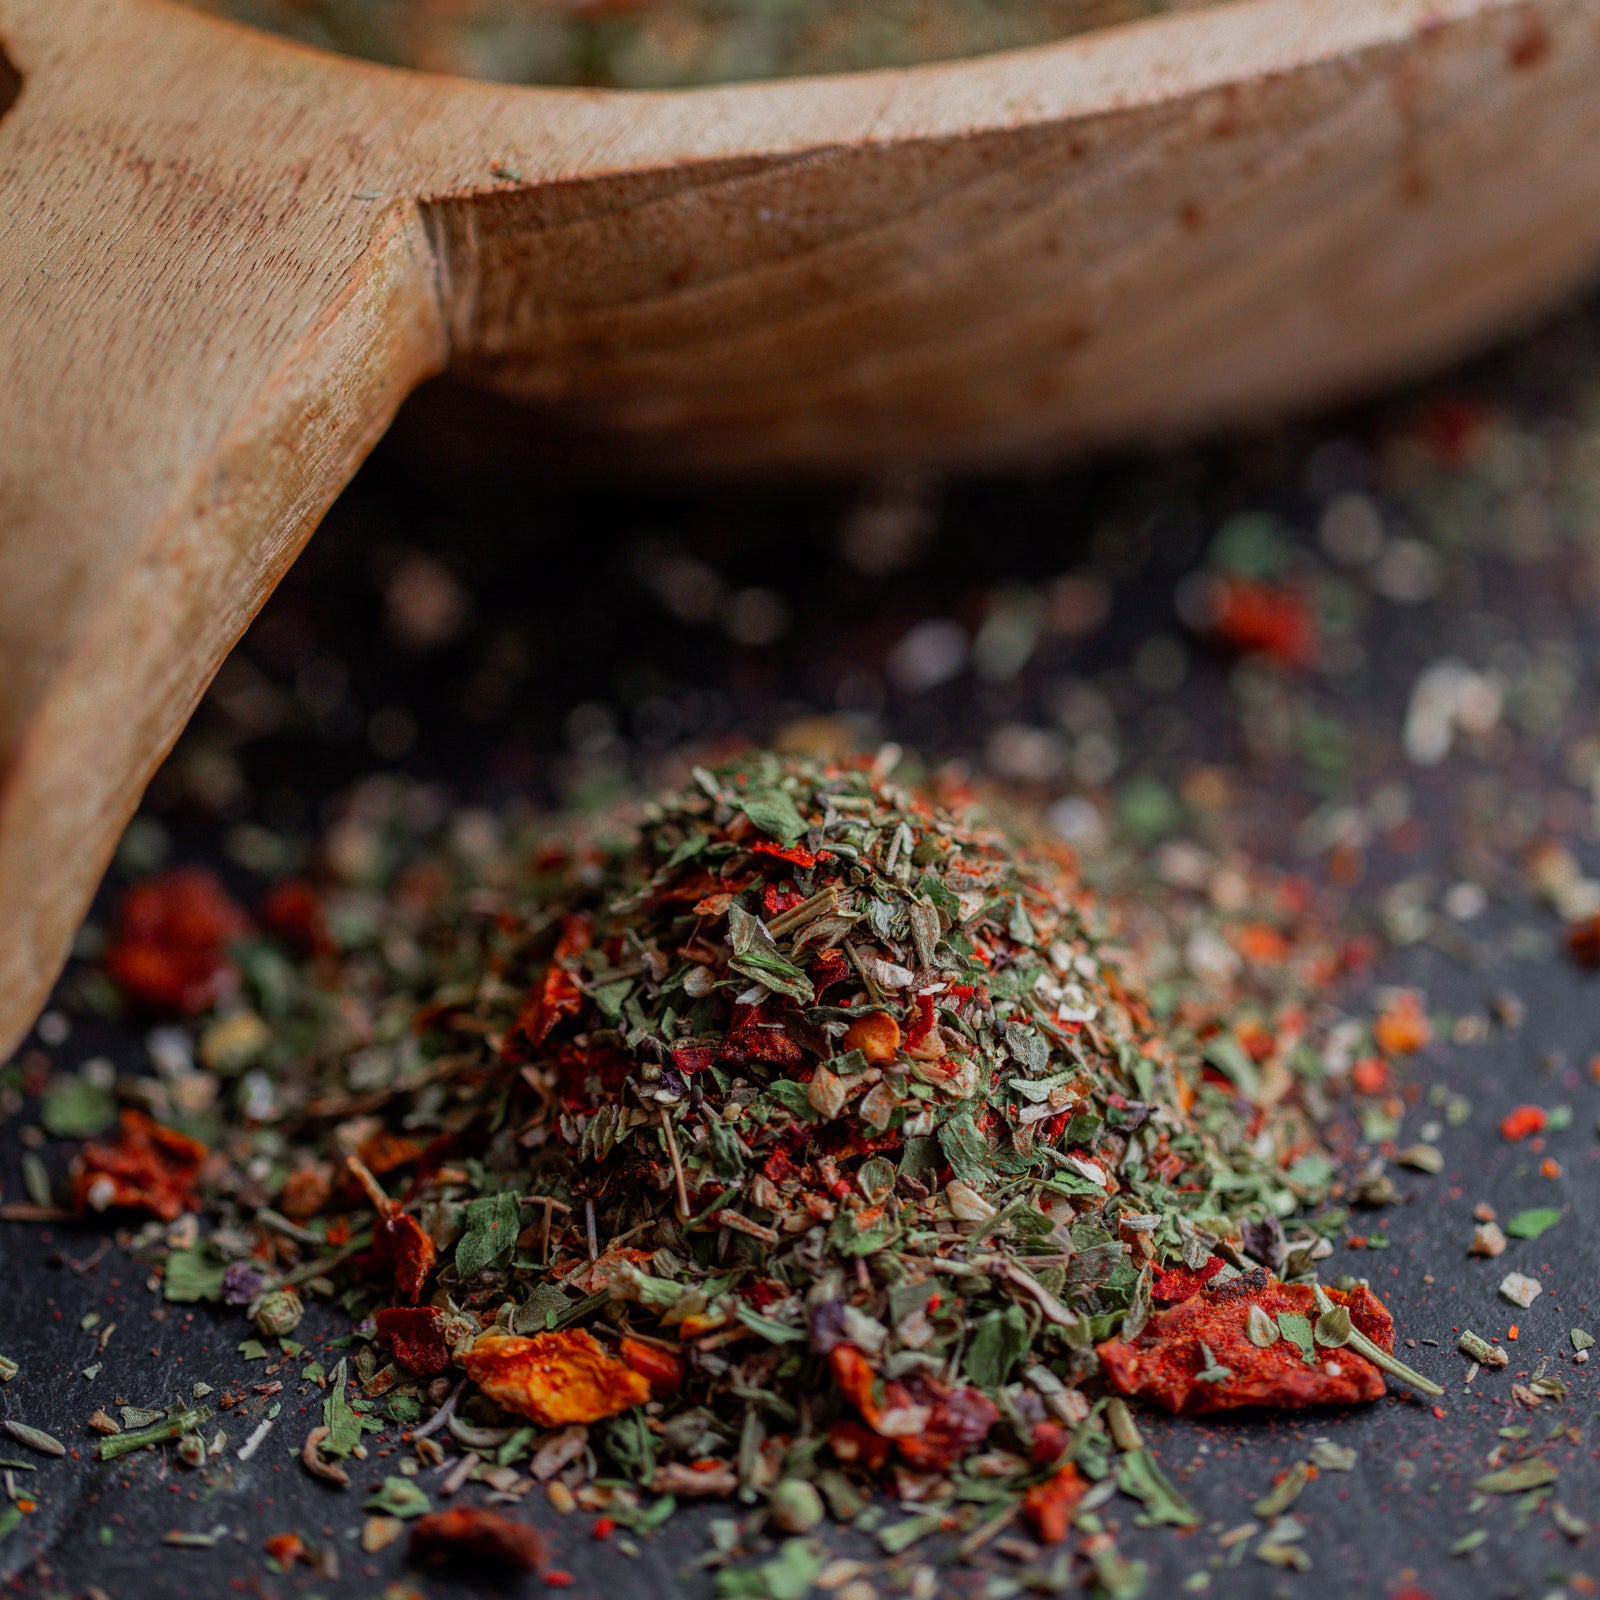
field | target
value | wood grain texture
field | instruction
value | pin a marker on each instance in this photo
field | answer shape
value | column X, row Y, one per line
column 227, row 259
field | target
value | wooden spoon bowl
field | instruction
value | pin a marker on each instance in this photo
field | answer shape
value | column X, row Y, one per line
column 226, row 260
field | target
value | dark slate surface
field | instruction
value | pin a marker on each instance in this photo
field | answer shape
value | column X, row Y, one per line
column 564, row 586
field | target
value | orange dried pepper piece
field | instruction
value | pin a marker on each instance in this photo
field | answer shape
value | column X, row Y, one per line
column 958, row 1420
column 1049, row 1505
column 1163, row 1364
column 876, row 1036
column 555, row 1378
column 149, row 1168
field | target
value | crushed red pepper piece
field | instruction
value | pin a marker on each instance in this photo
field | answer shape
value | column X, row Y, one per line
column 476, row 1537
column 556, row 996
column 169, row 943
column 932, row 1425
column 1049, row 1506
column 661, row 1369
column 416, row 1335
column 1179, row 1283
column 1163, row 1364
column 149, row 1168
column 1522, row 1122
column 1263, row 618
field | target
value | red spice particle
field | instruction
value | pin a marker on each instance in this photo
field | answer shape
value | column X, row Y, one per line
column 1512, row 1332
column 1267, row 619
column 1049, row 1505
column 149, row 1168
column 416, row 1336
column 1583, row 942
column 292, row 910
column 556, row 996
column 1177, row 1284
column 1163, row 1363
column 411, row 1251
column 476, row 1537
column 604, row 1527
column 557, row 1578
column 1370, row 1076
column 286, row 1548
column 1404, row 1028
column 793, row 854
column 1517, row 1124
column 660, row 1368
column 169, row 942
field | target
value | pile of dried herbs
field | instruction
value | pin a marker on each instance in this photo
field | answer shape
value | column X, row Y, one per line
column 658, row 44
column 797, row 1136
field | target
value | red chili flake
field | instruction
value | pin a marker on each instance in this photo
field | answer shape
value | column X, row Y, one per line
column 292, row 911
column 476, row 1537
column 857, row 1446
column 828, row 969
column 1403, row 1028
column 661, row 1369
column 557, row 1578
column 416, row 1335
column 1048, row 1441
column 169, row 943
column 604, row 1527
column 1049, row 1505
column 286, row 1549
column 957, row 1419
column 556, row 996
column 1262, row 618
column 1370, row 1075
column 794, row 854
column 1583, row 942
column 1163, row 1363
column 149, row 1168
column 923, row 1023
column 1519, row 1123
column 387, row 1152
column 411, row 1250
column 1179, row 1283
column 776, row 898
column 693, row 1058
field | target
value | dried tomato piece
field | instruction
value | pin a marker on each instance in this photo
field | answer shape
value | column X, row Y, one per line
column 169, row 943
column 1049, row 1505
column 794, row 854
column 1163, row 1364
column 477, row 1537
column 416, row 1335
column 555, row 1378
column 556, row 997
column 1178, row 1283
column 149, row 1168
column 661, row 1369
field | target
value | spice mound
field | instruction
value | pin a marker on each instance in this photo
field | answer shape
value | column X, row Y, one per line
column 798, row 1134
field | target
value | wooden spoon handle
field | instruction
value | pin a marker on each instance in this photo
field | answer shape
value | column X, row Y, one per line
column 193, row 369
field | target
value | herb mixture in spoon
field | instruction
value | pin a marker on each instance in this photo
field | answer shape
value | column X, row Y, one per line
column 800, row 1136
column 659, row 44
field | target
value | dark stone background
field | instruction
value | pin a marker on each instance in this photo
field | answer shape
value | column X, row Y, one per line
column 578, row 640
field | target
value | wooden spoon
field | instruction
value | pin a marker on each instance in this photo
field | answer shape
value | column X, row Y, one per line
column 226, row 260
